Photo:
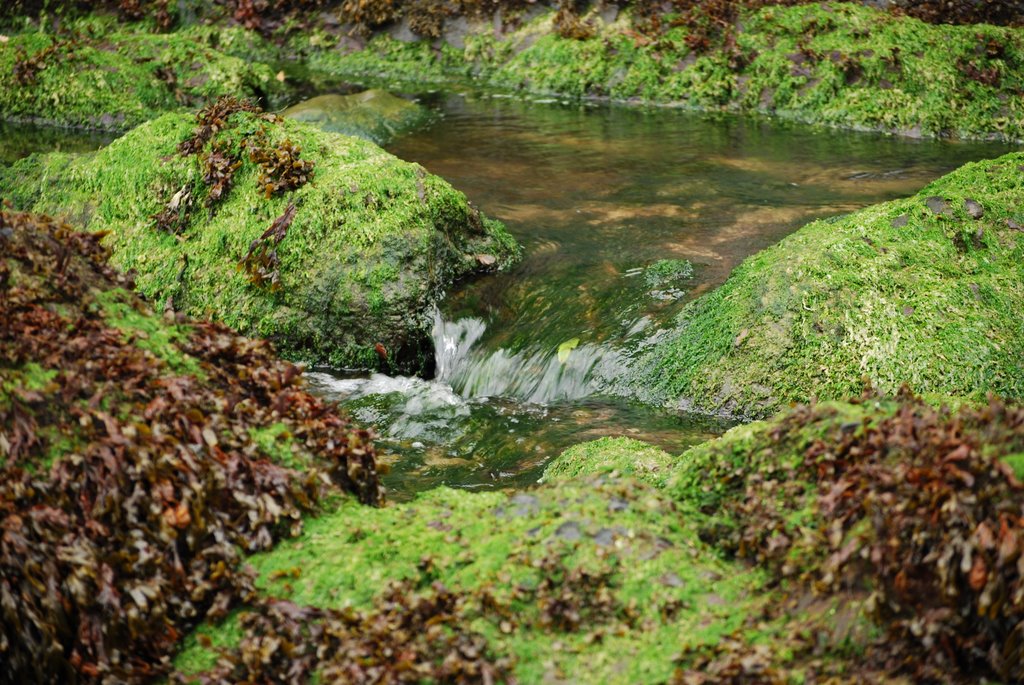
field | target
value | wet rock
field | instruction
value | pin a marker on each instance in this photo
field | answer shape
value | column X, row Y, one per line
column 617, row 504
column 790, row 297
column 937, row 204
column 974, row 209
column 569, row 531
column 375, row 115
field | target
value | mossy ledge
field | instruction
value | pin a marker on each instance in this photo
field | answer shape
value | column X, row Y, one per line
column 372, row 243
column 740, row 556
column 837, row 64
column 925, row 291
column 96, row 74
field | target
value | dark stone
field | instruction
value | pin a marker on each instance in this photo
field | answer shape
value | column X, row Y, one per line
column 617, row 504
column 570, row 530
column 900, row 221
column 974, row 208
column 937, row 204
column 670, row 579
column 604, row 537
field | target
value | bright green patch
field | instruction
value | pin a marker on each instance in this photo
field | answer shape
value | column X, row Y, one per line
column 623, row 456
column 677, row 591
column 147, row 331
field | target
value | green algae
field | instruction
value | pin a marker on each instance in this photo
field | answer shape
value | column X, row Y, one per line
column 147, row 332
column 98, row 75
column 913, row 291
column 624, row 456
column 835, row 64
column 374, row 115
column 374, row 242
column 675, row 590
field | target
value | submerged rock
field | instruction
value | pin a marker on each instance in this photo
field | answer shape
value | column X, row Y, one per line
column 924, row 291
column 325, row 244
column 376, row 115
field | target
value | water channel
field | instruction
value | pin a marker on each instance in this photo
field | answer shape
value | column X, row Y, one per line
column 601, row 197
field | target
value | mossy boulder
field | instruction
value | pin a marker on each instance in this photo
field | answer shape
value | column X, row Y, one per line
column 376, row 115
column 97, row 75
column 589, row 580
column 362, row 246
column 839, row 64
column 925, row 291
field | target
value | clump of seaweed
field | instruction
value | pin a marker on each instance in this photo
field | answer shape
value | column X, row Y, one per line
column 404, row 638
column 569, row 598
column 129, row 479
column 261, row 261
column 917, row 509
column 281, row 169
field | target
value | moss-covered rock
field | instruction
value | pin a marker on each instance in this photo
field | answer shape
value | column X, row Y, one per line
column 98, row 75
column 925, row 291
column 356, row 258
column 591, row 580
column 376, row 115
column 837, row 64
column 621, row 456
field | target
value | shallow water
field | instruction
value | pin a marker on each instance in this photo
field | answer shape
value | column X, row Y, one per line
column 596, row 195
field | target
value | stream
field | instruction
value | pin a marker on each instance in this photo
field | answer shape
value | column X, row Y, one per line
column 528, row 361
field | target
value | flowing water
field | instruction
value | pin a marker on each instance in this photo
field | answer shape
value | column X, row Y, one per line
column 527, row 360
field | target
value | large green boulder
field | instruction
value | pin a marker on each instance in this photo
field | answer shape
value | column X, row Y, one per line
column 376, row 115
column 325, row 244
column 926, row 291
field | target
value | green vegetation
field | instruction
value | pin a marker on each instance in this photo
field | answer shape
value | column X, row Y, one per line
column 98, row 75
column 924, row 291
column 361, row 252
column 632, row 583
column 837, row 64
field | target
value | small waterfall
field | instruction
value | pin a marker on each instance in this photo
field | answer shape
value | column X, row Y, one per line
column 534, row 376
column 452, row 343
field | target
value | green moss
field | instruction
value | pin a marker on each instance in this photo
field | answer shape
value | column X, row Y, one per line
column 680, row 592
column 147, row 331
column 836, row 64
column 623, row 456
column 103, row 76
column 893, row 294
column 1016, row 463
column 374, row 241
column 275, row 440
